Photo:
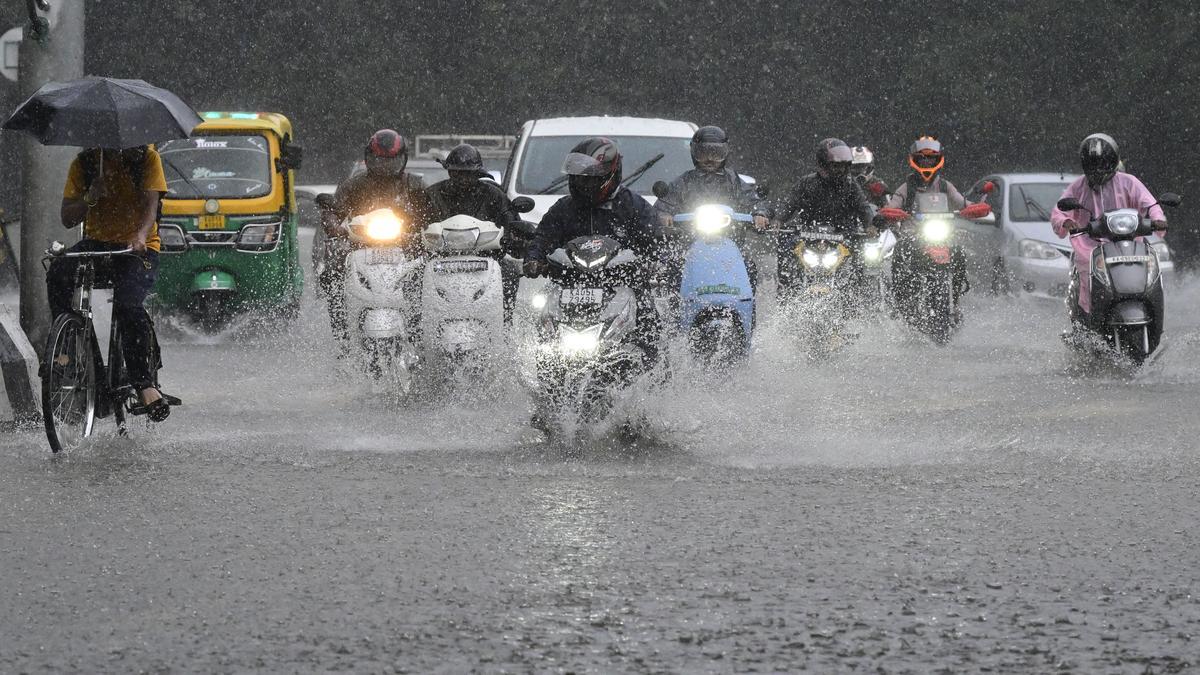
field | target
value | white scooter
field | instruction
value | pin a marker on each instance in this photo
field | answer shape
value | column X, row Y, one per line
column 462, row 296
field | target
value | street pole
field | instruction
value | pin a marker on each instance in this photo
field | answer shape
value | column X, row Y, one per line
column 46, row 56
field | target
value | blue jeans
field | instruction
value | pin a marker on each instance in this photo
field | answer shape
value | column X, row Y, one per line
column 131, row 280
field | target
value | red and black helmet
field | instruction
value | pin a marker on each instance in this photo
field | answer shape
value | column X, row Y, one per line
column 386, row 152
column 593, row 169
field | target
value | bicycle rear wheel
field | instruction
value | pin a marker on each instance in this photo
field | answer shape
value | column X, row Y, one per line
column 69, row 383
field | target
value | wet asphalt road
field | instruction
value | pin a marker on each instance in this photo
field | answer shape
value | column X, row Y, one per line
column 900, row 508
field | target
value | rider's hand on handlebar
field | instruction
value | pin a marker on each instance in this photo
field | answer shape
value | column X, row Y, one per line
column 138, row 243
column 534, row 268
column 761, row 222
column 872, row 232
column 1159, row 226
column 1072, row 227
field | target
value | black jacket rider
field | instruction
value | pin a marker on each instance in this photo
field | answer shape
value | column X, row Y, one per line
column 816, row 200
column 365, row 192
column 696, row 188
column 627, row 217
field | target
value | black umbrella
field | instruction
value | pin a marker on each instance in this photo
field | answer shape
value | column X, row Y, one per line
column 102, row 112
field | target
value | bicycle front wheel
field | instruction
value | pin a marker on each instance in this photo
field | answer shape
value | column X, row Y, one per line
column 69, row 383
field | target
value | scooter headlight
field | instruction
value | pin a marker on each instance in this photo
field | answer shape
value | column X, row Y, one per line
column 831, row 258
column 711, row 220
column 811, row 258
column 1123, row 224
column 936, row 230
column 382, row 226
column 539, row 301
column 577, row 342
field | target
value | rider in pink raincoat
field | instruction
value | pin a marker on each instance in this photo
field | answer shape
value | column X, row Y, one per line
column 1101, row 188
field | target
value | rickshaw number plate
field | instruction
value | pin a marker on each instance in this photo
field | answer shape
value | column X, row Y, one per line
column 212, row 222
column 581, row 296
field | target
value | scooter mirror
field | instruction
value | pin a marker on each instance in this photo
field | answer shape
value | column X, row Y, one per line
column 523, row 204
column 1170, row 199
column 1068, row 204
column 762, row 190
column 324, row 200
column 660, row 189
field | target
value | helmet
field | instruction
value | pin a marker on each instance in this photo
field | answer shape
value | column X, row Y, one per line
column 593, row 169
column 710, row 147
column 386, row 153
column 1100, row 158
column 926, row 157
column 463, row 158
column 833, row 158
column 862, row 162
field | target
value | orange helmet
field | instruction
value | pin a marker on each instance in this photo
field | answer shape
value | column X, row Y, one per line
column 925, row 156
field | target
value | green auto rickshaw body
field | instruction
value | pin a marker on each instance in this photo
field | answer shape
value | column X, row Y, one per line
column 231, row 195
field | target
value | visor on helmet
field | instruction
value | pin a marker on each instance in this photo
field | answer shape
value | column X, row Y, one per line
column 927, row 160
column 579, row 164
column 385, row 165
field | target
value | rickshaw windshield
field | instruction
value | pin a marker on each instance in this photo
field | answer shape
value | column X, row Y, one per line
column 217, row 167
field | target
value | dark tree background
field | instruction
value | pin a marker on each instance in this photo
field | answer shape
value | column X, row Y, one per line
column 1006, row 85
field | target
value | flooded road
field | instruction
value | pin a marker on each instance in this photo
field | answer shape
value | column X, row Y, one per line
column 901, row 507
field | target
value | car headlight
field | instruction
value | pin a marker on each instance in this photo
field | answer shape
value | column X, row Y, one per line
column 811, row 258
column 711, row 219
column 1038, row 250
column 584, row 341
column 383, row 226
column 936, row 230
column 1122, row 224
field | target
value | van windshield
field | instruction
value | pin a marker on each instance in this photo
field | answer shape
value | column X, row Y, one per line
column 542, row 161
column 217, row 167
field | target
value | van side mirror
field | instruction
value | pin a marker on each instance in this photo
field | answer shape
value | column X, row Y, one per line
column 660, row 189
column 1068, row 204
column 1170, row 199
column 290, row 158
column 988, row 187
column 523, row 204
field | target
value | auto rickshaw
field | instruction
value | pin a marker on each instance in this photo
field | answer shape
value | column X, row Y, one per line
column 228, row 225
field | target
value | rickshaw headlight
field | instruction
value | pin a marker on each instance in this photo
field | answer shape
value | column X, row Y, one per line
column 258, row 237
column 172, row 238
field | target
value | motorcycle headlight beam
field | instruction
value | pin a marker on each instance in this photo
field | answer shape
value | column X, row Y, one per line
column 576, row 342
column 383, row 227
column 811, row 258
column 830, row 259
column 936, row 230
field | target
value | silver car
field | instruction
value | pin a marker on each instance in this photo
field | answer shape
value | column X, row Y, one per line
column 1018, row 250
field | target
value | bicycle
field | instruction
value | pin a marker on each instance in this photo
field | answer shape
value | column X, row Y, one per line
column 77, row 386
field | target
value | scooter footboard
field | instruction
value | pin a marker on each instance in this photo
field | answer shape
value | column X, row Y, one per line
column 1130, row 313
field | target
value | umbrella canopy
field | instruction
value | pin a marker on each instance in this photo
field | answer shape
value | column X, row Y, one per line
column 102, row 112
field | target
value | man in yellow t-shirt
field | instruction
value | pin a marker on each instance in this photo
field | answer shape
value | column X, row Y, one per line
column 116, row 193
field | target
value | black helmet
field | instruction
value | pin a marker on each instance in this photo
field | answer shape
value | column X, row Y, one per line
column 710, row 148
column 833, row 158
column 463, row 158
column 1100, row 157
column 593, row 168
column 386, row 153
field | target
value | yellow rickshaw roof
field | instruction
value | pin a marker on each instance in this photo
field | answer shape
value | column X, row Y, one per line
column 228, row 121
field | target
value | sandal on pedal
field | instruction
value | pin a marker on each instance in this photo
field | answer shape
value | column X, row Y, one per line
column 157, row 411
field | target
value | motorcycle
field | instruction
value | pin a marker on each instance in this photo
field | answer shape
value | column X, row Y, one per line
column 929, row 272
column 585, row 326
column 834, row 286
column 716, row 300
column 1124, row 308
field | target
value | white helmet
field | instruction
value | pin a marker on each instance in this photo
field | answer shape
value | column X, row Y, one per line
column 862, row 161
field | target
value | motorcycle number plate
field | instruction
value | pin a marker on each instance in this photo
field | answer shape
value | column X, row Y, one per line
column 385, row 256
column 939, row 254
column 581, row 296
column 212, row 222
column 1116, row 259
column 460, row 266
